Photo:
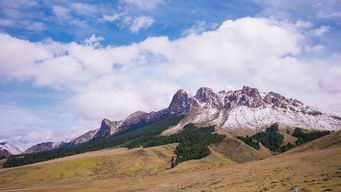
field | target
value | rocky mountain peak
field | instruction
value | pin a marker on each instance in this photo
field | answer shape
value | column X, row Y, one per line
column 107, row 128
column 207, row 95
column 276, row 99
column 251, row 92
column 136, row 115
column 181, row 103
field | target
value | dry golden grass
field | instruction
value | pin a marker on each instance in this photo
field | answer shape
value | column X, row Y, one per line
column 313, row 167
column 238, row 151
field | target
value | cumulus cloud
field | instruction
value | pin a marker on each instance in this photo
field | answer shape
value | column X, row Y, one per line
column 114, row 81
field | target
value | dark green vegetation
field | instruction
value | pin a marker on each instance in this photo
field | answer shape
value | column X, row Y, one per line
column 306, row 137
column 270, row 139
column 274, row 141
column 193, row 142
column 250, row 141
column 135, row 136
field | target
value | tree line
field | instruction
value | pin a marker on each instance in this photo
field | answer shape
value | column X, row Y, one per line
column 193, row 142
column 274, row 140
column 134, row 136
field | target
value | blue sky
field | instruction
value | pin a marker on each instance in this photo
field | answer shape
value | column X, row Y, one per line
column 67, row 64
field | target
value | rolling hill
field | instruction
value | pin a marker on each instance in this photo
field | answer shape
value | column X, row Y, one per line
column 315, row 166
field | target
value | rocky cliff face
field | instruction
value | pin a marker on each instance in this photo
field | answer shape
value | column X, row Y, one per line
column 107, row 128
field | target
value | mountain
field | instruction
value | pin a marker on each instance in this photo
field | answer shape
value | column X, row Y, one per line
column 251, row 110
column 7, row 149
column 238, row 112
column 85, row 137
column 44, row 147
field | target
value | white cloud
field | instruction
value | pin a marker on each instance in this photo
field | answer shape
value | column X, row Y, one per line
column 93, row 41
column 303, row 24
column 61, row 12
column 64, row 15
column 199, row 27
column 111, row 18
column 330, row 81
column 312, row 10
column 138, row 23
column 146, row 4
column 83, row 9
column 35, row 26
column 335, row 14
column 319, row 31
column 121, row 94
column 133, row 23
column 114, row 81
column 22, row 127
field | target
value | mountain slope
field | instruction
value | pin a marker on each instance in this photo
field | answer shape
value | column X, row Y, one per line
column 104, row 164
column 44, row 147
column 7, row 149
column 332, row 140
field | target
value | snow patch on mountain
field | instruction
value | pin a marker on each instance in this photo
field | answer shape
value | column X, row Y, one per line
column 10, row 148
column 251, row 109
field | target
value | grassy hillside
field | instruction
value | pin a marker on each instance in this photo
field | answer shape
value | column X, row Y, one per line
column 103, row 165
column 332, row 140
column 135, row 136
column 315, row 167
column 122, row 164
column 238, row 151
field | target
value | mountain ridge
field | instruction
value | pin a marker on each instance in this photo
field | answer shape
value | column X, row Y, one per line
column 243, row 109
column 7, row 149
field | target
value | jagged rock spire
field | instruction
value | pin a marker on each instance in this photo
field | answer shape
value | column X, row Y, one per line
column 182, row 103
